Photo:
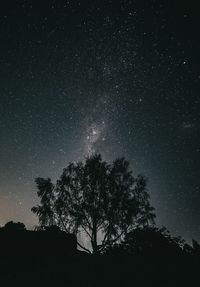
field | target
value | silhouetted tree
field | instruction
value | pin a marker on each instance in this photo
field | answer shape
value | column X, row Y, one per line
column 153, row 240
column 14, row 226
column 53, row 228
column 97, row 198
column 188, row 249
column 149, row 240
column 195, row 248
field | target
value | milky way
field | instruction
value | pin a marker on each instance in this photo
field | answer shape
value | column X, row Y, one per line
column 120, row 78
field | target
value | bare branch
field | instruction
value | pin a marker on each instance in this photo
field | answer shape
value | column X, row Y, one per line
column 86, row 231
column 87, row 250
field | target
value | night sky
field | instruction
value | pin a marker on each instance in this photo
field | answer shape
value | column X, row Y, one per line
column 120, row 78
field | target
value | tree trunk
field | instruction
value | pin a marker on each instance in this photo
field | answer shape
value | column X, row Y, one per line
column 94, row 239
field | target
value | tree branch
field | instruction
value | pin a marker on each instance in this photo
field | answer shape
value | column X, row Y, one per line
column 87, row 250
column 86, row 231
column 82, row 247
column 106, row 242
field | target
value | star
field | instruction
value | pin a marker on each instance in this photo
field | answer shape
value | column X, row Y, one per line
column 187, row 126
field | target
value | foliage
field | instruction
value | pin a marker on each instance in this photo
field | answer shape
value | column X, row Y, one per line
column 157, row 241
column 12, row 226
column 100, row 199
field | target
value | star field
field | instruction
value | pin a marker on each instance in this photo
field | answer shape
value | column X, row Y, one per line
column 116, row 77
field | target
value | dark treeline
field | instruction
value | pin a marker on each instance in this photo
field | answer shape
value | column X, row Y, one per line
column 146, row 257
column 111, row 207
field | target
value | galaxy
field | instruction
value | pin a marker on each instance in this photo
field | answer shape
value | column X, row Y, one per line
column 120, row 78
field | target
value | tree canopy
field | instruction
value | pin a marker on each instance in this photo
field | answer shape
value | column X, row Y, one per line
column 103, row 200
column 152, row 240
column 14, row 226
